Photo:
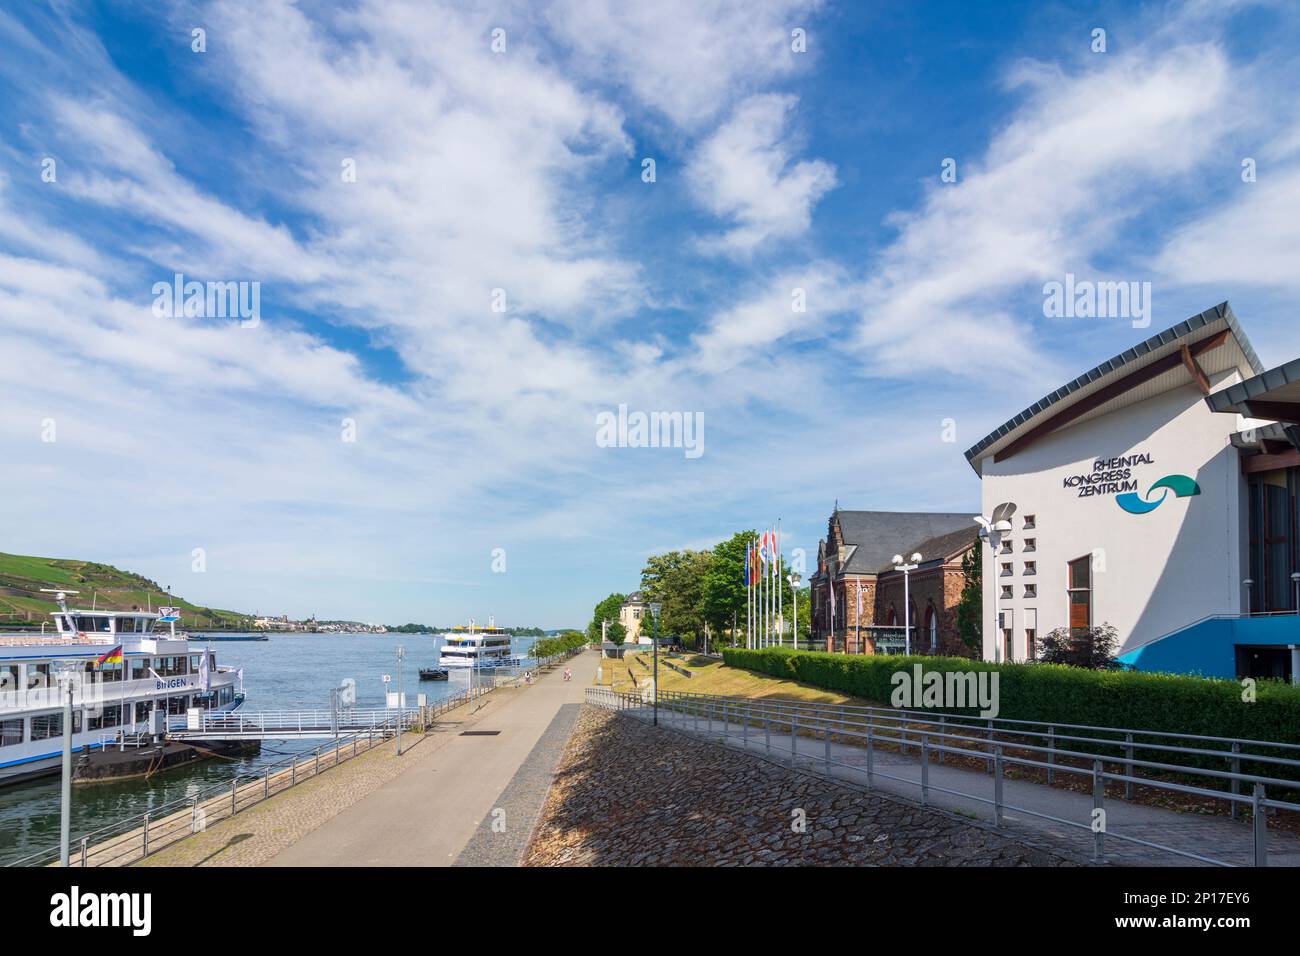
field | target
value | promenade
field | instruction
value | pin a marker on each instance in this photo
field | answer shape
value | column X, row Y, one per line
column 419, row 809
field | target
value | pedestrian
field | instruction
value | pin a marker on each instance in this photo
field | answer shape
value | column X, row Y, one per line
column 567, row 673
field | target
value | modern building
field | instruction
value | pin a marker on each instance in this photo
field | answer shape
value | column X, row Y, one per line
column 1156, row 493
column 855, row 562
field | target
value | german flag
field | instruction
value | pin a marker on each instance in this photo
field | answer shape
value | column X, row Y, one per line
column 112, row 657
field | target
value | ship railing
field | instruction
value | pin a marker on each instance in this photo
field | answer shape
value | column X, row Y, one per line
column 1237, row 770
column 139, row 835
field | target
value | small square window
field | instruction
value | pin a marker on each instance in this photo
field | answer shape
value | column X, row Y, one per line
column 1031, row 590
column 1006, row 592
column 1006, row 569
column 1006, row 546
column 1029, row 522
column 1031, row 544
column 1031, row 567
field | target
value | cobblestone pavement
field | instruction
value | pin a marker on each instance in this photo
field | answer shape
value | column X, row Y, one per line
column 255, row 835
column 629, row 794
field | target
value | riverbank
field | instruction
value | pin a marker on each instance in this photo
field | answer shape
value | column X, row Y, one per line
column 630, row 794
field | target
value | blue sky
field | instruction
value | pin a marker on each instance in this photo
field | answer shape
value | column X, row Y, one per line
column 521, row 170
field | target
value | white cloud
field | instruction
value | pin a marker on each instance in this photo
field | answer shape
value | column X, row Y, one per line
column 744, row 173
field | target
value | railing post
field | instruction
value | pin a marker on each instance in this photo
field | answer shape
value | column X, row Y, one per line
column 1236, row 784
column 1098, row 803
column 871, row 751
column 293, row 773
column 794, row 739
column 988, row 734
column 925, row 769
column 266, row 783
column 767, row 733
column 943, row 729
column 194, row 815
column 234, row 791
column 997, row 786
column 144, row 846
column 1260, row 825
column 826, row 729
column 1051, row 754
column 1128, row 769
column 317, row 760
column 85, row 841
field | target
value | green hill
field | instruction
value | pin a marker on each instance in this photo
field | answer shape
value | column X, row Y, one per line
column 22, row 603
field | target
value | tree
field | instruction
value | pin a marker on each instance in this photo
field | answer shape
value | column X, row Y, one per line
column 676, row 580
column 970, row 606
column 722, row 598
column 606, row 610
column 1093, row 648
column 616, row 632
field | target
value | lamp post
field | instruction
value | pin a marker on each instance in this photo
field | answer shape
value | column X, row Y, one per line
column 65, row 674
column 655, row 608
column 795, row 581
column 914, row 563
column 1250, row 607
column 401, row 714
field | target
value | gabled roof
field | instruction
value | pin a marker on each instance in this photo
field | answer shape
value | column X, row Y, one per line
column 941, row 547
column 879, row 535
column 1159, row 353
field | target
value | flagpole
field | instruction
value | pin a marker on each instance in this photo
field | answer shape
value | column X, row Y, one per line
column 780, row 591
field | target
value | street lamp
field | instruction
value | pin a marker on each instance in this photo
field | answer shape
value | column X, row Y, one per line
column 915, row 561
column 795, row 581
column 401, row 712
column 1250, row 607
column 65, row 674
column 655, row 608
column 991, row 531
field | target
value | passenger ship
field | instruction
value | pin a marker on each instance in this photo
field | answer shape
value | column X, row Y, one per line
column 476, row 648
column 116, row 695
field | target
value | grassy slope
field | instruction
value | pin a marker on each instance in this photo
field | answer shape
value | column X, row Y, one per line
column 22, row 577
column 714, row 677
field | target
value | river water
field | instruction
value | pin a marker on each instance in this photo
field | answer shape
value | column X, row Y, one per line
column 288, row 672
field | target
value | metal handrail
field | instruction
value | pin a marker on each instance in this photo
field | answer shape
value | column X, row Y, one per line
column 836, row 721
column 234, row 792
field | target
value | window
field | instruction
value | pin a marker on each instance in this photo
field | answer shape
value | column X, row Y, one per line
column 1006, row 592
column 1031, row 636
column 1006, row 546
column 1006, row 569
column 1080, row 591
column 46, row 726
column 38, row 675
column 1031, row 544
column 8, row 678
column 93, row 624
column 1031, row 590
column 142, row 708
column 1031, row 567
column 1008, row 646
column 1272, row 541
column 11, row 732
column 139, row 668
column 1029, row 522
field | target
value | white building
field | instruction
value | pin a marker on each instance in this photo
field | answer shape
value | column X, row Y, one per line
column 1142, row 495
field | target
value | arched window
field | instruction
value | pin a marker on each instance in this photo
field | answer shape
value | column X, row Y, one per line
column 932, row 626
column 890, row 619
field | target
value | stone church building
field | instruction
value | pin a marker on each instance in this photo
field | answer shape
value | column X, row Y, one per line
column 856, row 560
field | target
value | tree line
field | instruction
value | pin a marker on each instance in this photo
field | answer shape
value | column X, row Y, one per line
column 703, row 596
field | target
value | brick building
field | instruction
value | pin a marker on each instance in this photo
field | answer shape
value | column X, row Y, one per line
column 855, row 558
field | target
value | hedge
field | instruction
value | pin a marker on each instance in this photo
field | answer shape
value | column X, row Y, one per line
column 1057, row 694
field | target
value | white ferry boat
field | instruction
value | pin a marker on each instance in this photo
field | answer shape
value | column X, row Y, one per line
column 127, row 675
column 476, row 648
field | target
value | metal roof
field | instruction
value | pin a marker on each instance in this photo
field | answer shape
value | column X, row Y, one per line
column 1112, row 366
column 1259, row 387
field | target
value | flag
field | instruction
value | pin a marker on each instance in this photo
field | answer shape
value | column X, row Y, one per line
column 112, row 657
column 205, row 671
column 745, row 579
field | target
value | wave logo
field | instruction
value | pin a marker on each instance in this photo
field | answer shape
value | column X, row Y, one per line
column 1180, row 485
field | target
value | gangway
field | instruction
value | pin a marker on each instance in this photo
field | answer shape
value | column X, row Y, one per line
column 290, row 724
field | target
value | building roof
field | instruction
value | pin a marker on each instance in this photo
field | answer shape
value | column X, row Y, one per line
column 636, row 597
column 872, row 538
column 1161, row 350
column 1272, row 396
column 941, row 547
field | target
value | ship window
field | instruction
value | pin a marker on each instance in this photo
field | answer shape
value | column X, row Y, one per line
column 11, row 732
column 8, row 678
column 93, row 624
column 139, row 669
column 46, row 726
column 142, row 708
column 38, row 675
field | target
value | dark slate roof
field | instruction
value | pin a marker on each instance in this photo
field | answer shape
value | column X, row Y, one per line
column 636, row 597
column 1221, row 312
column 879, row 535
column 1227, row 399
column 940, row 547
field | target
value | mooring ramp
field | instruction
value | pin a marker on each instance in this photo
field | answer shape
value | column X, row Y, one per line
column 290, row 724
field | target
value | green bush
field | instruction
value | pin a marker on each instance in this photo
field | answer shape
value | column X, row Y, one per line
column 1056, row 694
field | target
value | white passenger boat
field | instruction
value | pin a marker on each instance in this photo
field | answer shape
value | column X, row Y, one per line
column 471, row 648
column 127, row 677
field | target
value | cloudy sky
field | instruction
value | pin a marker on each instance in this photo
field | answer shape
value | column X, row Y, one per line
column 461, row 264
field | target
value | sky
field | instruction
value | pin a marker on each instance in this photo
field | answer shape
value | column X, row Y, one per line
column 463, row 258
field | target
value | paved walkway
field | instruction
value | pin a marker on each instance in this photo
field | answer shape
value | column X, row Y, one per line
column 1218, row 838
column 428, row 813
